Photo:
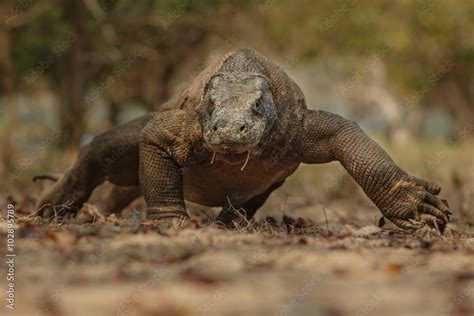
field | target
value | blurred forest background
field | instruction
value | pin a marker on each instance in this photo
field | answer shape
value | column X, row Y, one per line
column 71, row 69
column 403, row 70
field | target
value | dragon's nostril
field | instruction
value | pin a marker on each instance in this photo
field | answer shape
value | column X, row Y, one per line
column 214, row 128
column 243, row 127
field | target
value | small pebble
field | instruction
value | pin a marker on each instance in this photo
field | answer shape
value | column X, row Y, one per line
column 368, row 230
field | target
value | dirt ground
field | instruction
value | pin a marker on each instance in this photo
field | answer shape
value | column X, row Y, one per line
column 133, row 269
column 334, row 260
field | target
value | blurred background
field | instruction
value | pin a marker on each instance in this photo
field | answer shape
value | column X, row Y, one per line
column 402, row 69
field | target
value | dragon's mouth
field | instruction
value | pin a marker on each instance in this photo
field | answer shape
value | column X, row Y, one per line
column 231, row 149
column 232, row 158
column 234, row 153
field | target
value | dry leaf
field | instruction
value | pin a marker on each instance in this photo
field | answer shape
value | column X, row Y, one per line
column 393, row 268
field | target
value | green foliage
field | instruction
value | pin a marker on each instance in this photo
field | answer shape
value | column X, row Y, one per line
column 422, row 34
column 33, row 42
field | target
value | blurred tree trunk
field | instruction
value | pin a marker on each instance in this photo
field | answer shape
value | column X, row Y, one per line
column 72, row 111
column 114, row 111
column 6, row 89
column 455, row 95
column 164, row 92
column 463, row 111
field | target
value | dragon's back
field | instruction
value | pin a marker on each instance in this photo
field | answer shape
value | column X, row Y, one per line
column 287, row 94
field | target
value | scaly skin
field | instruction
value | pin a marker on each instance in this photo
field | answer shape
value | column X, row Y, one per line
column 326, row 137
column 232, row 137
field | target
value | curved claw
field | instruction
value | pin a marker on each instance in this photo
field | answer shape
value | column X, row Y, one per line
column 421, row 221
column 433, row 222
column 430, row 219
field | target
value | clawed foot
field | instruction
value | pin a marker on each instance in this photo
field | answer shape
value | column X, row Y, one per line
column 62, row 200
column 51, row 210
column 413, row 204
column 55, row 205
column 168, row 217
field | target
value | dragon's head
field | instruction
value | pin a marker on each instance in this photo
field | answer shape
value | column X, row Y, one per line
column 238, row 113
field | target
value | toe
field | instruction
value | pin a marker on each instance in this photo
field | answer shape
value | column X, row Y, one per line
column 405, row 224
column 429, row 186
column 437, row 203
column 425, row 208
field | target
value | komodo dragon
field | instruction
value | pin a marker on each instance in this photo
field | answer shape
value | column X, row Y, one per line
column 229, row 139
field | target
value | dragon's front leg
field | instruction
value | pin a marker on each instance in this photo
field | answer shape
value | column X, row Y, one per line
column 407, row 201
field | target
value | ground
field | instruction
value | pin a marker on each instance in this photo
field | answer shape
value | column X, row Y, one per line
column 334, row 260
